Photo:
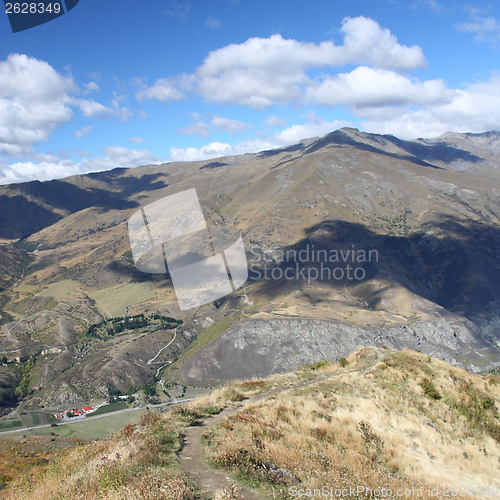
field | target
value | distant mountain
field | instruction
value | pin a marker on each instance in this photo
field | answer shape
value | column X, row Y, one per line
column 429, row 208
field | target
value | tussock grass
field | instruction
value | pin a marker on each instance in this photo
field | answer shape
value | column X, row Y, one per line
column 138, row 463
column 371, row 422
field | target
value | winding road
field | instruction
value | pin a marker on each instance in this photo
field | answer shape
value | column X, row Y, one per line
column 152, row 360
column 110, row 414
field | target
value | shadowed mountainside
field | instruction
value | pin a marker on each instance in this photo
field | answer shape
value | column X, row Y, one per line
column 429, row 208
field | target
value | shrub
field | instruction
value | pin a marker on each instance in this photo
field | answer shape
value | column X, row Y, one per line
column 318, row 365
column 343, row 362
column 249, row 385
column 429, row 389
column 487, row 402
column 233, row 395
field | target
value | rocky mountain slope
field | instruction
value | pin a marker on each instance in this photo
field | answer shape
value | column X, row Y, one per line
column 425, row 214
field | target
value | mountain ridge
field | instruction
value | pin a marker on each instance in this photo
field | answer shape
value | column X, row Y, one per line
column 431, row 210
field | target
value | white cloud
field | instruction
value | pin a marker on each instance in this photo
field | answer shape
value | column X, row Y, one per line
column 316, row 127
column 27, row 171
column 265, row 71
column 217, row 149
column 166, row 89
column 84, row 131
column 366, row 42
column 90, row 87
column 54, row 168
column 14, row 149
column 93, row 109
column 376, row 87
column 229, row 125
column 122, row 112
column 199, row 128
column 125, row 157
column 33, row 102
column 274, row 121
column 96, row 110
column 136, row 140
column 261, row 72
column 484, row 28
column 82, row 153
column 473, row 109
column 218, row 122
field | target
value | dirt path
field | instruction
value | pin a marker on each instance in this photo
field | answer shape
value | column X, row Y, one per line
column 191, row 456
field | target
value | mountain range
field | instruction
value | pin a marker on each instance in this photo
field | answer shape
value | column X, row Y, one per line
column 427, row 210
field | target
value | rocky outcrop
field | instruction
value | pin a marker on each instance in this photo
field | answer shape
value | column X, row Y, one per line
column 262, row 347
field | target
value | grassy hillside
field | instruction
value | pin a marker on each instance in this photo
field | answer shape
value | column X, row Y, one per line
column 392, row 419
column 380, row 418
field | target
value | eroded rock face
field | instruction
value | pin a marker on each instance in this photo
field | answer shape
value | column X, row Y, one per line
column 262, row 347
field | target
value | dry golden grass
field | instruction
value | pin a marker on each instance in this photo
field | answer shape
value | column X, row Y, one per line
column 230, row 493
column 374, row 423
column 370, row 424
column 138, row 463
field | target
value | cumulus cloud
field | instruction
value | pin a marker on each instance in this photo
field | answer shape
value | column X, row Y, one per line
column 229, row 125
column 199, row 128
column 166, row 89
column 262, row 72
column 136, row 140
column 365, row 86
column 265, row 71
column 96, row 110
column 52, row 167
column 366, row 42
column 258, row 72
column 315, row 127
column 84, row 131
column 274, row 121
column 90, row 87
column 473, row 109
column 217, row 149
column 93, row 109
column 34, row 102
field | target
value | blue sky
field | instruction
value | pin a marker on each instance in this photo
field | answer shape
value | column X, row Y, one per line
column 123, row 83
